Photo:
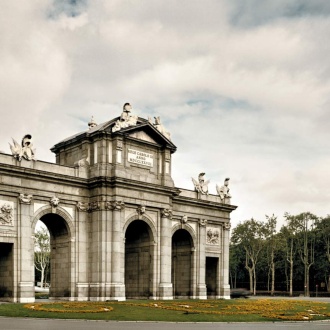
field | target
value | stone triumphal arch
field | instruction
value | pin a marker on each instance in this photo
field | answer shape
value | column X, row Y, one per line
column 118, row 226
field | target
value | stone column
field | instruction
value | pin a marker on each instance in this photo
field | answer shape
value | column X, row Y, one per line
column 165, row 286
column 117, row 256
column 224, row 270
column 26, row 250
column 201, row 262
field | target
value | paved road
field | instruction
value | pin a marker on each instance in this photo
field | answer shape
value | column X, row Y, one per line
column 7, row 323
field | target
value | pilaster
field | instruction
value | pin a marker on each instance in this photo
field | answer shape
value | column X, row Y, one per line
column 201, row 262
column 224, row 270
column 26, row 248
column 82, row 285
column 165, row 286
column 117, row 286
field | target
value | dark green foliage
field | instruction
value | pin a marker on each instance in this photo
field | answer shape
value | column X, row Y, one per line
column 305, row 239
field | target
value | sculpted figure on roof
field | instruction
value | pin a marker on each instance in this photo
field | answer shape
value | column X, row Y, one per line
column 223, row 191
column 25, row 150
column 126, row 119
column 161, row 128
column 201, row 185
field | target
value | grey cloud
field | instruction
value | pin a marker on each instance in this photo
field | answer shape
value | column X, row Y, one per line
column 251, row 13
column 67, row 7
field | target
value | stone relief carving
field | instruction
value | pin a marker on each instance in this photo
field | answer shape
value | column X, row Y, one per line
column 184, row 219
column 6, row 215
column 160, row 127
column 212, row 236
column 223, row 191
column 54, row 201
column 84, row 207
column 25, row 198
column 25, row 150
column 202, row 222
column 141, row 209
column 126, row 119
column 166, row 213
column 201, row 185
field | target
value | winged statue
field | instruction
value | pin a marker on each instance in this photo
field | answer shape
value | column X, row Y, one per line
column 201, row 185
column 25, row 150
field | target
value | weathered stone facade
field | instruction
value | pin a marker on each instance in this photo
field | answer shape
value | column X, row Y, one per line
column 119, row 227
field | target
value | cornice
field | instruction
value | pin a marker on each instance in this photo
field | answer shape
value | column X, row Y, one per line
column 118, row 182
column 203, row 203
column 42, row 176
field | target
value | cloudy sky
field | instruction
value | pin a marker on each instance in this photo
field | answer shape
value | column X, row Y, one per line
column 242, row 85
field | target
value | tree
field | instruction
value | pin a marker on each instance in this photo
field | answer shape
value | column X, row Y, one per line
column 305, row 237
column 41, row 252
column 323, row 227
column 236, row 262
column 250, row 235
column 287, row 233
column 272, row 244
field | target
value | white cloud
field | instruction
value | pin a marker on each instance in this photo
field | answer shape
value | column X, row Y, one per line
column 244, row 93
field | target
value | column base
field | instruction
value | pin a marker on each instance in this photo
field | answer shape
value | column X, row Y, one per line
column 26, row 292
column 117, row 292
column 82, row 290
column 201, row 292
column 166, row 291
column 225, row 292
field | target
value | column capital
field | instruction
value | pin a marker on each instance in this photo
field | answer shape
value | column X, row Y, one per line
column 93, row 206
column 227, row 226
column 202, row 222
column 25, row 199
column 166, row 213
column 115, row 205
column 84, row 207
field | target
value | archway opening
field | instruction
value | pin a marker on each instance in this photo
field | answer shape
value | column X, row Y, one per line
column 6, row 271
column 212, row 276
column 41, row 260
column 60, row 255
column 138, row 260
column 182, row 264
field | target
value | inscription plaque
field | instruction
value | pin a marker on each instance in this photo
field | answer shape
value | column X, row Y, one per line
column 140, row 158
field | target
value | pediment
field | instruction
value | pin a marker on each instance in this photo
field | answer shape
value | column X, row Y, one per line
column 141, row 129
column 147, row 132
column 141, row 135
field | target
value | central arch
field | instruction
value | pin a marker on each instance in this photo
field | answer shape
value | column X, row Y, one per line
column 139, row 259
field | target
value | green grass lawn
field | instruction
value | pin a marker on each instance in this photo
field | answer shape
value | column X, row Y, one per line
column 239, row 310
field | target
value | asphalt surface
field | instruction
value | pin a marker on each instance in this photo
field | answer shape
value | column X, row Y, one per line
column 50, row 324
